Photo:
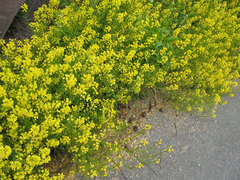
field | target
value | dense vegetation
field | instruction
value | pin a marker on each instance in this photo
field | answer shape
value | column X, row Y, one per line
column 59, row 91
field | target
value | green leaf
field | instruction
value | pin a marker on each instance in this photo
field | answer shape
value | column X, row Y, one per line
column 159, row 44
column 170, row 39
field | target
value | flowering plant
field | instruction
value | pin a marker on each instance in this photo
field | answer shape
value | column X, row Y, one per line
column 59, row 91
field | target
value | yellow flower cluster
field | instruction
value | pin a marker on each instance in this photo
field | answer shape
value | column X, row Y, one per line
column 24, row 8
column 60, row 90
column 206, row 53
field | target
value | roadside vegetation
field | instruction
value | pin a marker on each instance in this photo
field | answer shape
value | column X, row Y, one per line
column 61, row 90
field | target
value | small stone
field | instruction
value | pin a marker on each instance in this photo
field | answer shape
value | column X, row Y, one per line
column 121, row 116
column 126, row 146
column 135, row 128
column 144, row 114
column 150, row 106
column 131, row 119
column 121, row 106
column 130, row 104
column 161, row 110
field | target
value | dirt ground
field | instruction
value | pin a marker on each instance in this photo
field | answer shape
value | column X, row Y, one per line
column 19, row 29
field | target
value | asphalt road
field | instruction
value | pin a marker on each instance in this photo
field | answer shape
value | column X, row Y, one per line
column 204, row 149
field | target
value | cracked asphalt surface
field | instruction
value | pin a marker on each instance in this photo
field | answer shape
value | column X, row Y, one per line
column 204, row 149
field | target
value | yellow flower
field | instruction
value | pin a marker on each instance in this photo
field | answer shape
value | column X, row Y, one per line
column 170, row 149
column 189, row 108
column 93, row 173
column 200, row 109
column 148, row 127
column 24, row 7
column 157, row 161
column 139, row 165
column 144, row 142
column 159, row 141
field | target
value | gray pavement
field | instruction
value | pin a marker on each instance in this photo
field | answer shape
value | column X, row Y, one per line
column 204, row 149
